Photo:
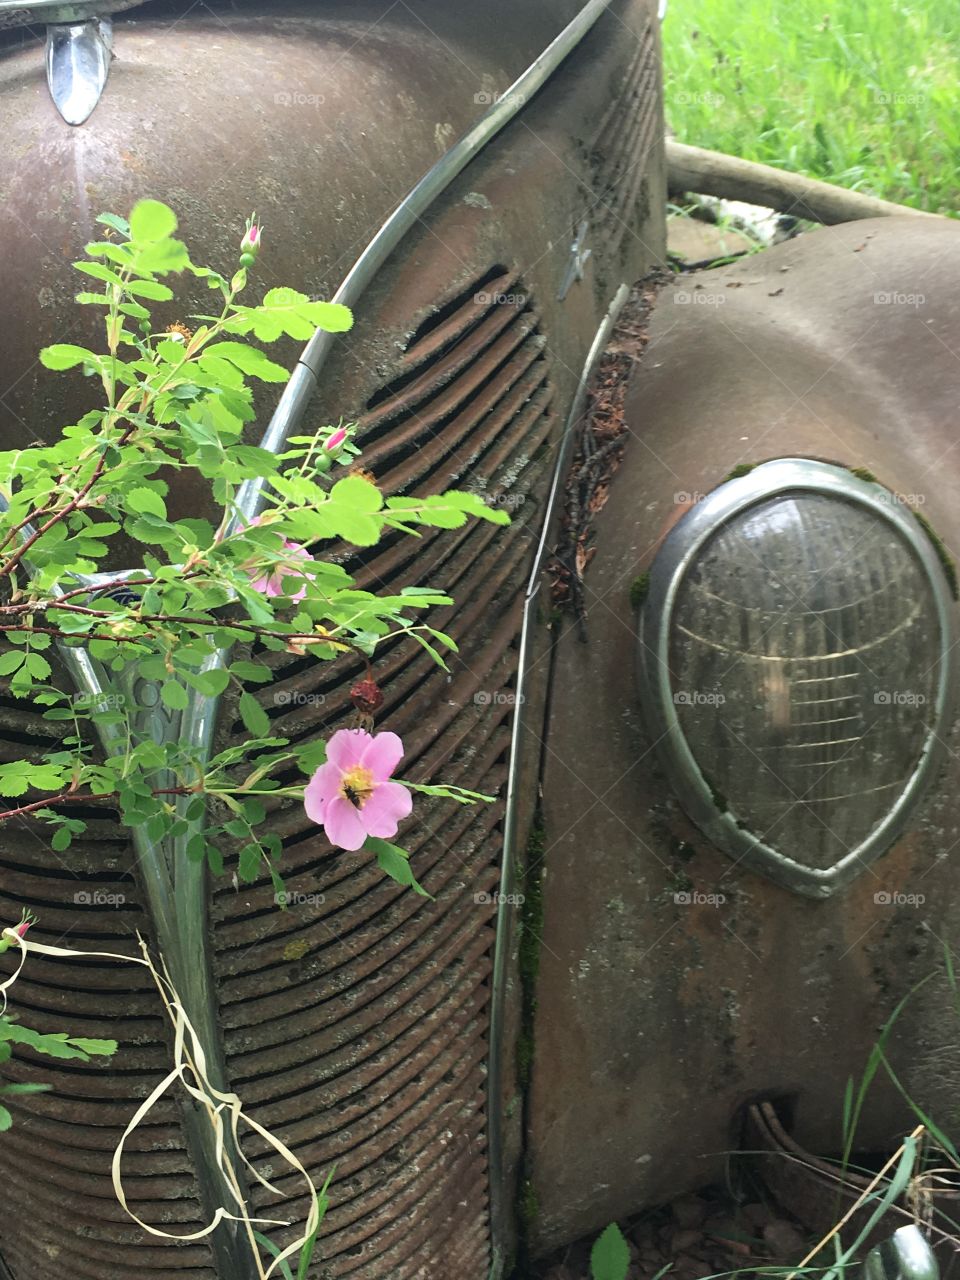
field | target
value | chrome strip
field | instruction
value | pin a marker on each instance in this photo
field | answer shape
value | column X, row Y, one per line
column 296, row 394
column 683, row 543
column 511, row 836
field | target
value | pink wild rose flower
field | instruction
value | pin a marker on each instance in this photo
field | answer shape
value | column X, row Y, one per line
column 351, row 795
column 271, row 584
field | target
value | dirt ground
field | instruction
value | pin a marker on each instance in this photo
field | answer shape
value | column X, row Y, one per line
column 700, row 1235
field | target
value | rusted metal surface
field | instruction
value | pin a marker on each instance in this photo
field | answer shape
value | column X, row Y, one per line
column 355, row 1023
column 663, row 1008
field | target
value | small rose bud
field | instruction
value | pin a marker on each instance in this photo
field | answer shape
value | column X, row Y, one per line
column 366, row 696
column 251, row 240
column 26, row 920
column 336, row 440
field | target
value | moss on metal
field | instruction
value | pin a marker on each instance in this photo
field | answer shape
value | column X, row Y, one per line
column 639, row 588
column 529, row 1205
column 531, row 932
column 741, row 469
column 528, row 964
column 943, row 555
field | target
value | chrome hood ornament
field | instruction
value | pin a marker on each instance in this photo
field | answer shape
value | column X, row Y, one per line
column 78, row 63
column 79, row 47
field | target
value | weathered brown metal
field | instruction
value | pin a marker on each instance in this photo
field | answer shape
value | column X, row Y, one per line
column 354, row 1024
column 658, row 1017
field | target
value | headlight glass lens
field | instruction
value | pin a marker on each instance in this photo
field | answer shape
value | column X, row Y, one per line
column 804, row 663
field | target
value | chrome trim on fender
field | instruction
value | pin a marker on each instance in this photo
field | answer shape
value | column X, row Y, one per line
column 508, row 862
column 303, row 381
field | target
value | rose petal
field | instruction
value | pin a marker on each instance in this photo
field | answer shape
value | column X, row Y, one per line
column 385, row 807
column 323, row 787
column 381, row 755
column 346, row 747
column 343, row 825
column 269, row 586
column 297, row 548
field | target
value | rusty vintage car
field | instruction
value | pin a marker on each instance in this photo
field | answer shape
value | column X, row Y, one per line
column 663, row 919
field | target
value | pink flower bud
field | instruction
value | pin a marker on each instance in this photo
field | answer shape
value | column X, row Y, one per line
column 337, row 439
column 251, row 240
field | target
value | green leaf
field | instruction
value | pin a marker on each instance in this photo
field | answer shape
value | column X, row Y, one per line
column 253, row 715
column 104, row 1047
column 610, row 1255
column 174, row 695
column 64, row 355
column 55, row 1044
column 151, row 289
column 249, row 360
column 274, row 1251
column 211, row 682
column 286, row 311
column 249, row 862
column 460, row 794
column 38, row 668
column 115, row 221
column 161, row 257
column 6, row 1119
column 61, row 839
column 358, row 494
column 18, row 775
column 446, row 510
column 11, row 661
column 99, row 272
column 395, row 862
column 255, row 671
column 152, row 220
column 118, row 253
column 322, row 1202
column 311, row 757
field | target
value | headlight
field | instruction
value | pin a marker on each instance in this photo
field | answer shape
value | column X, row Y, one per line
column 795, row 669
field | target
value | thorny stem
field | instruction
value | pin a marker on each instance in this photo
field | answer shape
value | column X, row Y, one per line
column 115, row 413
column 255, row 629
column 75, row 797
column 60, row 635
column 73, row 505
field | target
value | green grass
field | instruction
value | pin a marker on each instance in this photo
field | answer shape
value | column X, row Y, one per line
column 863, row 93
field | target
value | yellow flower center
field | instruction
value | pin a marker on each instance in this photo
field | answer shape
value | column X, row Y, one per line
column 357, row 785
